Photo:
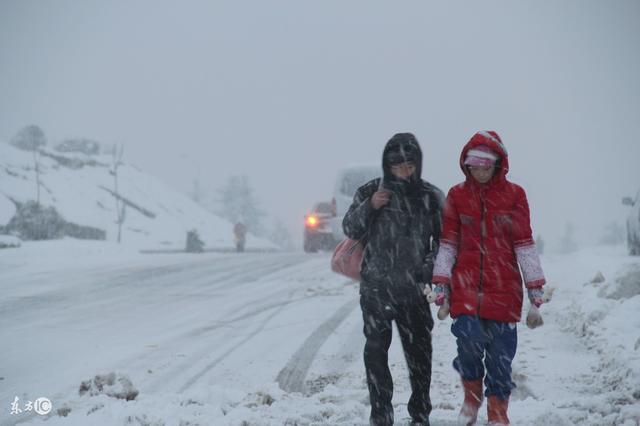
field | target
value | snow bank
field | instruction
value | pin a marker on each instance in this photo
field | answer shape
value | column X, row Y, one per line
column 604, row 316
column 264, row 406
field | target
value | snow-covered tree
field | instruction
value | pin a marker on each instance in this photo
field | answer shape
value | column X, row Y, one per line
column 31, row 138
column 196, row 191
column 237, row 203
column 612, row 234
column 568, row 243
column 280, row 235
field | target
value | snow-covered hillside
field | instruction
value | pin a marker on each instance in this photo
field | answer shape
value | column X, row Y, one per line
column 80, row 187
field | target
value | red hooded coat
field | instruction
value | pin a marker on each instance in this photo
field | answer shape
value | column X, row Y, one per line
column 486, row 235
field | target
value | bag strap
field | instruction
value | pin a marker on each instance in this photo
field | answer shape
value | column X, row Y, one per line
column 363, row 239
column 353, row 246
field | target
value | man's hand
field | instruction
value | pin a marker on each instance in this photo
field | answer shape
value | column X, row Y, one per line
column 380, row 199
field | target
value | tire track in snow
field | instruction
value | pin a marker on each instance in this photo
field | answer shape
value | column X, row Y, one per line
column 203, row 352
column 292, row 377
column 303, row 357
column 220, row 324
column 95, row 287
column 232, row 349
column 253, row 273
column 273, row 301
column 141, row 285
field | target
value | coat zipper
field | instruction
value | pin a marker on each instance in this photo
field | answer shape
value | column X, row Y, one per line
column 482, row 235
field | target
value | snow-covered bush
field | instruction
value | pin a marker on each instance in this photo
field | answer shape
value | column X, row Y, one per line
column 9, row 241
column 34, row 221
column 84, row 146
column 112, row 384
column 194, row 243
column 69, row 161
column 83, row 232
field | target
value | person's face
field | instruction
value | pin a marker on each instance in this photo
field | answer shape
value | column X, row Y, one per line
column 403, row 170
column 482, row 174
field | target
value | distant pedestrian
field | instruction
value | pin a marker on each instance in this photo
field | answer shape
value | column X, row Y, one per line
column 486, row 241
column 240, row 234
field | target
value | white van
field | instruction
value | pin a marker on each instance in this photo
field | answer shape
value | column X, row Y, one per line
column 347, row 183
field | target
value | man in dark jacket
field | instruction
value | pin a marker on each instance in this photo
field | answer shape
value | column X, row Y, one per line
column 398, row 216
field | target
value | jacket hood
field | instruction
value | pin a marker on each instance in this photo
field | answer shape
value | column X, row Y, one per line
column 490, row 139
column 406, row 143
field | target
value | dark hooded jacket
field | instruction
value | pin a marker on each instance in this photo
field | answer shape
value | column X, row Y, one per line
column 402, row 236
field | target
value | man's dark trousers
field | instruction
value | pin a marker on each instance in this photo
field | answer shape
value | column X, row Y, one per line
column 414, row 322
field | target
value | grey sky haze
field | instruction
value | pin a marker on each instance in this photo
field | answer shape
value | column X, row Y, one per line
column 288, row 92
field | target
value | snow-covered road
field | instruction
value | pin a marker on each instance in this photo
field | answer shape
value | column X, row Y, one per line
column 275, row 338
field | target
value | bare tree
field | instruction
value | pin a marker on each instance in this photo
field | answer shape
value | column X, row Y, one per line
column 31, row 138
column 196, row 192
column 568, row 243
column 36, row 166
column 121, row 206
column 237, row 203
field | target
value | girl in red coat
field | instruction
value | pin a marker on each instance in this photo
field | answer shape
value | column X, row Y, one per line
column 486, row 241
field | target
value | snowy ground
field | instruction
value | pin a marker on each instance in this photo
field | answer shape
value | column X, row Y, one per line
column 275, row 339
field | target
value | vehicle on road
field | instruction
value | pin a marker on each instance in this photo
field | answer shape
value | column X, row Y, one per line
column 317, row 228
column 633, row 224
column 347, row 183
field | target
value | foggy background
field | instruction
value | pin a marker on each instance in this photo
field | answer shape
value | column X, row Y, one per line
column 289, row 92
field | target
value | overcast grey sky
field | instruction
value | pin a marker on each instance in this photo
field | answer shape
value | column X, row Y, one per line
column 288, row 92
